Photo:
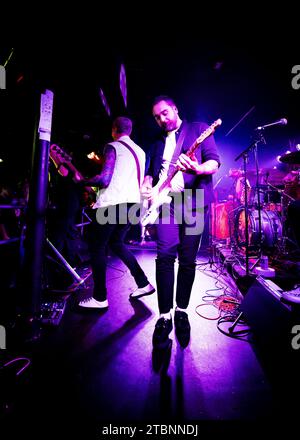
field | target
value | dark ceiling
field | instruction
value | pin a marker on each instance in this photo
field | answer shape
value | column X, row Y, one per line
column 209, row 77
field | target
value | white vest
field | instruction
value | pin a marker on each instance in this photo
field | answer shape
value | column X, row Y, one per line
column 124, row 186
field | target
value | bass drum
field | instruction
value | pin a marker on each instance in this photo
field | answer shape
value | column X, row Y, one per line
column 271, row 229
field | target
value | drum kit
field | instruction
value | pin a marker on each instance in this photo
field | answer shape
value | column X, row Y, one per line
column 274, row 192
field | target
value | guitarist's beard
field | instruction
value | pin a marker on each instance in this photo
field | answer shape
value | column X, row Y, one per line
column 169, row 126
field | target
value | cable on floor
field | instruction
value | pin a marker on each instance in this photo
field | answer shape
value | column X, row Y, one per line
column 223, row 303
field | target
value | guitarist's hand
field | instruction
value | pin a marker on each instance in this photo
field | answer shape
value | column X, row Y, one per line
column 188, row 164
column 150, row 193
column 146, row 191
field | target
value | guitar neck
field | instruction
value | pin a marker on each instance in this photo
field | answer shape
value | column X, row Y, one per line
column 73, row 169
column 193, row 148
column 190, row 151
column 169, row 178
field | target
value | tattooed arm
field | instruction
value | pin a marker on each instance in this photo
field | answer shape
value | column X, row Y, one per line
column 103, row 179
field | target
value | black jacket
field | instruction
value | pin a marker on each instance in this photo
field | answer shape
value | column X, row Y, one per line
column 207, row 150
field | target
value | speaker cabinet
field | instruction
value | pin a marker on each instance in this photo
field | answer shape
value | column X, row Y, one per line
column 271, row 320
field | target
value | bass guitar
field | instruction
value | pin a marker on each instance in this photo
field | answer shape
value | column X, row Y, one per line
column 63, row 163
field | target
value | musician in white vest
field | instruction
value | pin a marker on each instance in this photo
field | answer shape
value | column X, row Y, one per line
column 119, row 190
column 173, row 238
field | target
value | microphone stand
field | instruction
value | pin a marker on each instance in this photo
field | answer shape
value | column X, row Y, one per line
column 244, row 154
column 262, row 140
column 252, row 147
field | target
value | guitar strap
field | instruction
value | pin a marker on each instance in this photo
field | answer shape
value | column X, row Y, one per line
column 178, row 147
column 136, row 160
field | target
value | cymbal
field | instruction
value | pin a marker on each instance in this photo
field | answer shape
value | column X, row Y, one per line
column 293, row 157
column 239, row 173
column 272, row 176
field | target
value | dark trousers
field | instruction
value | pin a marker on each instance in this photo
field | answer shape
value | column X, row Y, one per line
column 111, row 234
column 173, row 241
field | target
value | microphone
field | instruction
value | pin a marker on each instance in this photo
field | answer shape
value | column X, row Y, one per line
column 282, row 121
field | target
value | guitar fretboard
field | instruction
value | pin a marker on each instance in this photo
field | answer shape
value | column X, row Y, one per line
column 191, row 150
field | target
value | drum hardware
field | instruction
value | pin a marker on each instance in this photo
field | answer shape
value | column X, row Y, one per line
column 258, row 138
column 272, row 176
column 284, row 240
column 273, row 224
column 280, row 208
column 271, row 230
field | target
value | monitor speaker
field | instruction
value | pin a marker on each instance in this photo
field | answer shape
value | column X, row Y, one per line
column 271, row 320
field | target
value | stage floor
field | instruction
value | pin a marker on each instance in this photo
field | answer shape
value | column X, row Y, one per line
column 96, row 369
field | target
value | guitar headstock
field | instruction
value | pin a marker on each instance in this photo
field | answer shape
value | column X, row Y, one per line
column 58, row 155
column 211, row 129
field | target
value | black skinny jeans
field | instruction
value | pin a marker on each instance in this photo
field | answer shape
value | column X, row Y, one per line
column 172, row 241
column 112, row 235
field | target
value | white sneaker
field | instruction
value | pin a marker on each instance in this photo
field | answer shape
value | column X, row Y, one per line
column 142, row 291
column 92, row 303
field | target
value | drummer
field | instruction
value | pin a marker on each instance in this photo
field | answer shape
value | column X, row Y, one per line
column 240, row 185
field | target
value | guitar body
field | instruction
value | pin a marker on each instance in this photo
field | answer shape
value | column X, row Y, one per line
column 163, row 187
column 152, row 213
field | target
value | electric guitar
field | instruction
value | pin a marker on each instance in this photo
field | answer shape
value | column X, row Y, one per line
column 61, row 158
column 163, row 186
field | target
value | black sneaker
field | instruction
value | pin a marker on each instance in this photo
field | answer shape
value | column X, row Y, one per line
column 182, row 328
column 161, row 332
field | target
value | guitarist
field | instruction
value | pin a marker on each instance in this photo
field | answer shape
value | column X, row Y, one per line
column 119, row 189
column 65, row 203
column 172, row 238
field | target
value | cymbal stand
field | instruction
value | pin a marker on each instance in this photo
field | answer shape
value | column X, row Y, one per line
column 257, row 188
column 284, row 239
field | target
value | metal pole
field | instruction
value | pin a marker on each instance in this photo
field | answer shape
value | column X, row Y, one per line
column 35, row 239
column 68, row 267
